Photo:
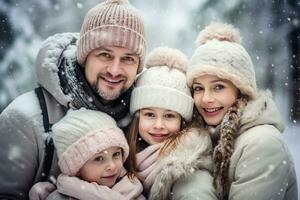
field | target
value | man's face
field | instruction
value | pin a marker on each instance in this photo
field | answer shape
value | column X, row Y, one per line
column 111, row 70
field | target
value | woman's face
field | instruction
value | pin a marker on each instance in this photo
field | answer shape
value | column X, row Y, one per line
column 158, row 124
column 213, row 97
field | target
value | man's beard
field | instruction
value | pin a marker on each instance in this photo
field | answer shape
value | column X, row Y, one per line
column 107, row 95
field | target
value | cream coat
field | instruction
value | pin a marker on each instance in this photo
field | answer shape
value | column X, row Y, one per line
column 261, row 166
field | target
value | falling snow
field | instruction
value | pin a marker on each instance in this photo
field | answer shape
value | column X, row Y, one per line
column 14, row 153
column 172, row 24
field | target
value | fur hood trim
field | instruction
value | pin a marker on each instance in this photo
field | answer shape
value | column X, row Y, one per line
column 261, row 111
column 193, row 152
column 49, row 59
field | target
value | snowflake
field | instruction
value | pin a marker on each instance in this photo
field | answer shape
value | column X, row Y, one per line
column 14, row 153
column 79, row 5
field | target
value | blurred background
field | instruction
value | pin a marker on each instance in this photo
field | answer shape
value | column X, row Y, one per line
column 270, row 31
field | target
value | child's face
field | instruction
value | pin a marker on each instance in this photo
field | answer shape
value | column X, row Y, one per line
column 103, row 168
column 158, row 124
column 213, row 97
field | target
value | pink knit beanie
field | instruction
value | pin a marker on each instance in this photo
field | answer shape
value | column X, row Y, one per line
column 112, row 23
column 220, row 53
column 163, row 83
column 83, row 133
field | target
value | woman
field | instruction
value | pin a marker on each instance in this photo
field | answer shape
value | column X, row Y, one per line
column 251, row 159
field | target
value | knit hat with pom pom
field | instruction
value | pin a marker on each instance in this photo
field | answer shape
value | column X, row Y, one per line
column 112, row 23
column 220, row 53
column 83, row 133
column 163, row 83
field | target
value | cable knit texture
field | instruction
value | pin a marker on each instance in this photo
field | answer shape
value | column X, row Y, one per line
column 83, row 133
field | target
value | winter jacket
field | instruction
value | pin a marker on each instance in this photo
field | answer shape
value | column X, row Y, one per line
column 261, row 166
column 22, row 144
column 190, row 157
column 73, row 187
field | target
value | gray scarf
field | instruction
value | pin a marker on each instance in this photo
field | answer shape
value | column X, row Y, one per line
column 74, row 84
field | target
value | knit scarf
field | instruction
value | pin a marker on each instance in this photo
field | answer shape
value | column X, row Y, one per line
column 74, row 84
column 223, row 138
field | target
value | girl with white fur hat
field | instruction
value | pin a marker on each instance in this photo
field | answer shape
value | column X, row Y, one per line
column 250, row 157
column 91, row 151
column 162, row 105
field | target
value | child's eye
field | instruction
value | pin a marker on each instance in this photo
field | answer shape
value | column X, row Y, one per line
column 170, row 115
column 117, row 154
column 99, row 158
column 149, row 114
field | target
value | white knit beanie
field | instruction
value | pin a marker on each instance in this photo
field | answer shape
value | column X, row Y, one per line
column 220, row 53
column 163, row 84
column 83, row 133
column 112, row 23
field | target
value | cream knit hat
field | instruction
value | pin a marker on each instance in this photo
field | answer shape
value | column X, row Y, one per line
column 83, row 133
column 112, row 23
column 163, row 84
column 220, row 53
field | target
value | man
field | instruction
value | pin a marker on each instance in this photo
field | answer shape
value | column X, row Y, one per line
column 95, row 70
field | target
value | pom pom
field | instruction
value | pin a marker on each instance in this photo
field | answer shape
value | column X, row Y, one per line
column 219, row 31
column 164, row 56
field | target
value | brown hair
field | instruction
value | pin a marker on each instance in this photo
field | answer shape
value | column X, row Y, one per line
column 225, row 146
column 132, row 142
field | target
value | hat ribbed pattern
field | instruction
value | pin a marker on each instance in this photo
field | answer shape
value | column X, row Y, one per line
column 82, row 133
column 76, row 155
column 112, row 23
column 227, row 60
column 78, row 123
column 220, row 53
column 162, row 87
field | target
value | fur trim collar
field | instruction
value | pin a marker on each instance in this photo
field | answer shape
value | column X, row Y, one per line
column 261, row 111
column 191, row 153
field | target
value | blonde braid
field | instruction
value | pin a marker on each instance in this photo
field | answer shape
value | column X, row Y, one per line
column 223, row 151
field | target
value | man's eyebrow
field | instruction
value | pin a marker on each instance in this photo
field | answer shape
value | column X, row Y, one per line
column 131, row 54
column 105, row 49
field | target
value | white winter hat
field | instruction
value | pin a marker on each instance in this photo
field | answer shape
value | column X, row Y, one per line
column 163, row 84
column 83, row 133
column 220, row 53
